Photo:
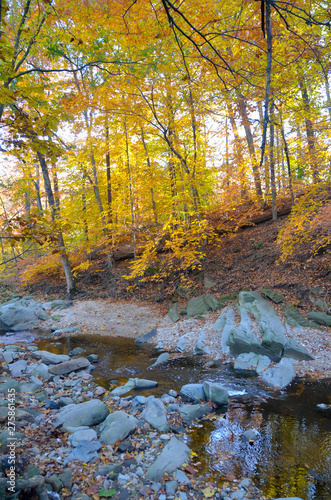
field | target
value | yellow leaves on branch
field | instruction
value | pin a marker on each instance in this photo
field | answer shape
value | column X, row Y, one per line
column 181, row 251
column 309, row 222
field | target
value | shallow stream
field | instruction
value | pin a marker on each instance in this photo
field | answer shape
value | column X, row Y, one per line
column 292, row 455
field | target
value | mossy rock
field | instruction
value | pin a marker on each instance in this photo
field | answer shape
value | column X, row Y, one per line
column 274, row 296
column 296, row 319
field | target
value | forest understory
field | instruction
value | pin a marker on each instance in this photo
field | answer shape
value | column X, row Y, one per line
column 246, row 259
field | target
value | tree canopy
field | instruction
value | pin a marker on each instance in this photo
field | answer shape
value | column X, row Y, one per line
column 124, row 125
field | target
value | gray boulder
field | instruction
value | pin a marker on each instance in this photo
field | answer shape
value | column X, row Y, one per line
column 202, row 304
column 148, row 336
column 208, row 283
column 123, row 389
column 242, row 339
column 57, row 304
column 143, row 383
column 181, row 344
column 192, row 393
column 251, row 362
column 6, row 437
column 280, row 375
column 17, row 368
column 320, row 318
column 274, row 296
column 82, row 435
column 271, row 327
column 73, row 365
column 8, row 383
column 155, row 414
column 116, row 427
column 193, row 412
column 9, row 356
column 86, row 451
column 200, row 348
column 50, row 358
column 294, row 350
column 91, row 412
column 173, row 456
column 163, row 358
column 41, row 370
column 225, row 324
column 173, row 312
column 215, row 393
column 294, row 318
column 21, row 314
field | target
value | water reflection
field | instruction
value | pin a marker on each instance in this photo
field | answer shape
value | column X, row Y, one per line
column 292, row 453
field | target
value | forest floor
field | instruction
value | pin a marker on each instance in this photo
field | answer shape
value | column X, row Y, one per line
column 247, row 259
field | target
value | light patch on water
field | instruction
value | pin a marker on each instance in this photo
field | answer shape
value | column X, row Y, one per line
column 236, row 393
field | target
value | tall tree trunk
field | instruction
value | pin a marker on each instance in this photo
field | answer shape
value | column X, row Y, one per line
column 250, row 143
column 268, row 78
column 95, row 182
column 54, row 206
column 272, row 162
column 171, row 139
column 37, row 188
column 238, row 151
column 309, row 132
column 150, row 173
column 109, row 193
column 289, row 172
column 128, row 163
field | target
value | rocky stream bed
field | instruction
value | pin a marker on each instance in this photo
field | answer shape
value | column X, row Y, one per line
column 65, row 436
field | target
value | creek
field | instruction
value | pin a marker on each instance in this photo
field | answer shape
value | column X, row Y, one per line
column 292, row 453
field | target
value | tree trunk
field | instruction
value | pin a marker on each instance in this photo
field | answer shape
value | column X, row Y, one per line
column 309, row 132
column 238, row 152
column 150, row 174
column 288, row 164
column 133, row 228
column 250, row 143
column 54, row 206
column 109, row 193
column 272, row 162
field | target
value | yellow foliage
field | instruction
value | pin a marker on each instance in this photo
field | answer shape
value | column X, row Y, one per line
column 49, row 264
column 181, row 252
column 309, row 223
